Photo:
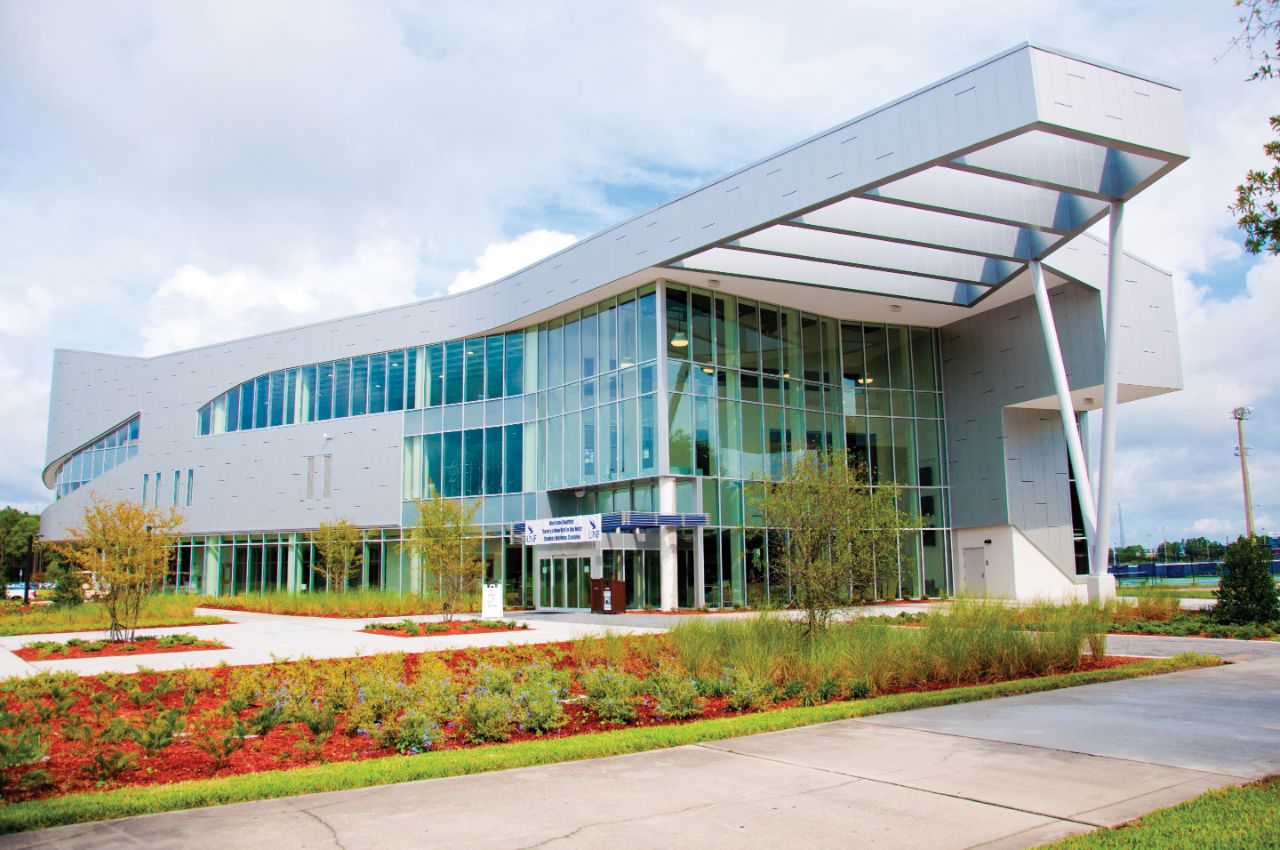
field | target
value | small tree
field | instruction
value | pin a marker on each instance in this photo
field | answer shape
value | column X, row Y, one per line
column 1247, row 592
column 840, row 529
column 127, row 547
column 337, row 542
column 445, row 540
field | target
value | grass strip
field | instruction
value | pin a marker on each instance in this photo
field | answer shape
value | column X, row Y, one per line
column 127, row 802
column 1238, row 818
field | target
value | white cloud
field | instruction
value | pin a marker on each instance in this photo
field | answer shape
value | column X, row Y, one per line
column 195, row 307
column 503, row 258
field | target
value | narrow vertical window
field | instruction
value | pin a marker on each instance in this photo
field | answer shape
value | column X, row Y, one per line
column 145, row 481
column 191, row 483
column 176, row 480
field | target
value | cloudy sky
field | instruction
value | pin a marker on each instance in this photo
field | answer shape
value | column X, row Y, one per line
column 173, row 174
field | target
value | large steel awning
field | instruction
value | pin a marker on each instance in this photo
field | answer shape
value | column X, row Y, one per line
column 951, row 230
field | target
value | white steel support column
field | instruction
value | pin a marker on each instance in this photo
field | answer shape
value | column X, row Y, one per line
column 1101, row 583
column 1070, row 425
column 669, row 578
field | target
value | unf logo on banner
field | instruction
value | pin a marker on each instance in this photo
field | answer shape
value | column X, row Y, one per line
column 568, row 529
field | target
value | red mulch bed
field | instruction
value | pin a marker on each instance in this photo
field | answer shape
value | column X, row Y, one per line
column 143, row 646
column 69, row 762
column 460, row 627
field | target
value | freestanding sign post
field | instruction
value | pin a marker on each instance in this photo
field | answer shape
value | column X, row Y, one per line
column 491, row 602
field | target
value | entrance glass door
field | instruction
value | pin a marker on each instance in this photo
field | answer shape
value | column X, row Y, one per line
column 564, row 582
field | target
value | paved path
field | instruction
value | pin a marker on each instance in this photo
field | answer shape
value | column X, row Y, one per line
column 255, row 638
column 1006, row 773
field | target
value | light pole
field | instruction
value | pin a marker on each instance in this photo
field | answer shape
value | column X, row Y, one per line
column 1240, row 414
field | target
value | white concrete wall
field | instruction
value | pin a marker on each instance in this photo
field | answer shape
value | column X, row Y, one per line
column 1016, row 569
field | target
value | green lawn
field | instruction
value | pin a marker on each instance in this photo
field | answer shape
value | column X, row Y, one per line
column 1245, row 818
column 1166, row 592
column 323, row 603
column 124, row 802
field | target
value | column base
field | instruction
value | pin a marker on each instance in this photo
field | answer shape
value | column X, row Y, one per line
column 1101, row 588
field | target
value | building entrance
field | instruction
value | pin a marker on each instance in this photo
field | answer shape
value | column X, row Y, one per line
column 564, row 582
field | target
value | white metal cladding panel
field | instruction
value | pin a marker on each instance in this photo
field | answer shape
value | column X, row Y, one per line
column 1079, row 95
column 256, row 480
column 1149, row 351
column 996, row 359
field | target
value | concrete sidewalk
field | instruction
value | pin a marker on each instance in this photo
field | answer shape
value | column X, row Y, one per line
column 1006, row 773
column 254, row 638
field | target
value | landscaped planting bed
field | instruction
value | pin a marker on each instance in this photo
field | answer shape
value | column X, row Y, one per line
column 349, row 603
column 408, row 628
column 45, row 650
column 61, row 734
column 159, row 611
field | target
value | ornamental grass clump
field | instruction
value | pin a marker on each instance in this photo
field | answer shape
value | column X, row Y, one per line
column 612, row 694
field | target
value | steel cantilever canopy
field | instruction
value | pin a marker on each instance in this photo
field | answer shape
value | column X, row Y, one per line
column 953, row 228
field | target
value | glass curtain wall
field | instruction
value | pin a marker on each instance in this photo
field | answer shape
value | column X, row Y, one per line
column 752, row 385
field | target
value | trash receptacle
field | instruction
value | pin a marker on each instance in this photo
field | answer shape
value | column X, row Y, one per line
column 608, row 596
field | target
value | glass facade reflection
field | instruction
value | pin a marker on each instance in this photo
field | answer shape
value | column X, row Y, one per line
column 588, row 411
column 98, row 457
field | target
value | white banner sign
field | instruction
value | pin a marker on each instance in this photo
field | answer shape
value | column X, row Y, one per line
column 565, row 529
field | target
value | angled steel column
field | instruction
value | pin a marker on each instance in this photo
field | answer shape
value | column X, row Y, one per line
column 1101, row 585
column 1070, row 425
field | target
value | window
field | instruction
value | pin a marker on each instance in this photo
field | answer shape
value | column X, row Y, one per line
column 191, row 483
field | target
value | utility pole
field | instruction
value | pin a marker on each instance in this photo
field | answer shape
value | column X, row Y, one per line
column 1240, row 414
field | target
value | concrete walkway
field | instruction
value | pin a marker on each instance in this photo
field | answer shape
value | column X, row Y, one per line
column 254, row 638
column 1006, row 773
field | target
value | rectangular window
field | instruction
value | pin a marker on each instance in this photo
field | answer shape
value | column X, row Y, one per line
column 922, row 359
column 156, row 500
column 453, row 372
column 475, row 369
column 307, row 395
column 191, row 483
column 648, row 435
column 277, row 398
column 473, row 462
column 377, row 383
column 395, row 381
column 205, row 420
column 515, row 363
column 607, row 329
column 677, row 322
column 749, row 335
column 647, row 329
column 146, row 479
column 359, row 386
column 627, row 321
column 233, row 410
column 246, row 406
column 434, row 470
column 176, row 480
column 342, row 389
column 514, row 458
column 590, row 343
column 324, row 391
column 262, row 401
column 572, row 349
column 290, row 396
column 452, row 464
column 589, row 445
column 493, row 356
column 435, row 375
column 493, row 460
column 412, row 396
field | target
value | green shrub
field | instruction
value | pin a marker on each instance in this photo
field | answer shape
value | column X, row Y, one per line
column 169, row 641
column 538, row 694
column 675, row 695
column 218, row 737
column 746, row 692
column 157, row 733
column 1246, row 590
column 859, row 689
column 611, row 694
column 19, row 748
column 490, row 715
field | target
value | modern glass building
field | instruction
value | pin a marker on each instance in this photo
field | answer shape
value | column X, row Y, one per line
column 876, row 289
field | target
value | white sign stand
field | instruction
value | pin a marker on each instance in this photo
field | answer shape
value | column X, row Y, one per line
column 491, row 602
